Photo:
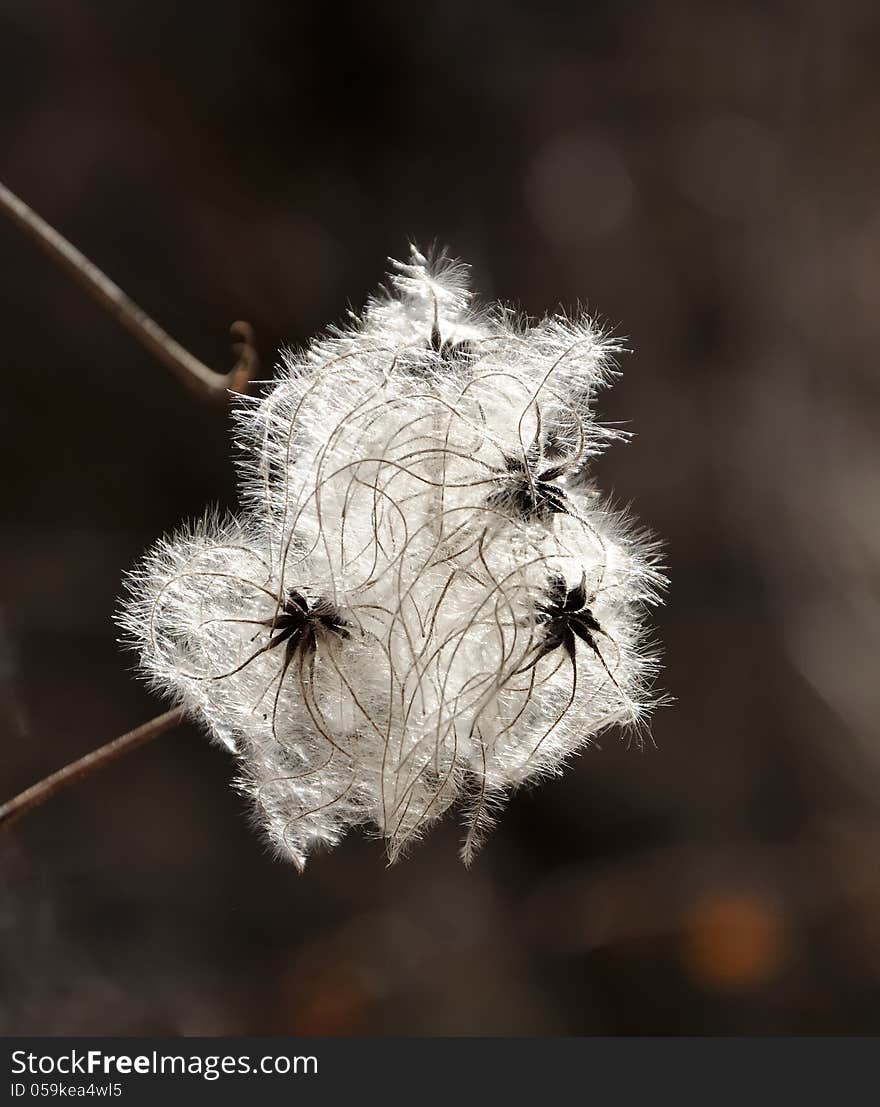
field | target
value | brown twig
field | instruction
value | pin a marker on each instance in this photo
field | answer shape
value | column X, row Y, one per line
column 204, row 382
column 44, row 789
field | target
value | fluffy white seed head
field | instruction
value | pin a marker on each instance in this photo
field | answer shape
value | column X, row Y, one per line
column 423, row 600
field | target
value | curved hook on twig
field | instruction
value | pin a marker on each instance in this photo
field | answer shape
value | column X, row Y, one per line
column 198, row 377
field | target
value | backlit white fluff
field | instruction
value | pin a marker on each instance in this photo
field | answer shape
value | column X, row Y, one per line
column 422, row 601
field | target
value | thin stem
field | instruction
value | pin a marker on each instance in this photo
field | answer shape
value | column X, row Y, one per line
column 71, row 774
column 204, row 382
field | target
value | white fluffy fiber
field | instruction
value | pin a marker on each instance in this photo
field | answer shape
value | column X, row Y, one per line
column 416, row 501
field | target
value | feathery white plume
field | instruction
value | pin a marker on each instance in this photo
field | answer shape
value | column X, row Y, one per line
column 422, row 601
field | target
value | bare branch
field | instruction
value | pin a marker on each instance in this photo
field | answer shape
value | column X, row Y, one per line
column 44, row 789
column 204, row 382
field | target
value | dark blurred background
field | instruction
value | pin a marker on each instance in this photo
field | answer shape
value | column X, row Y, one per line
column 705, row 175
